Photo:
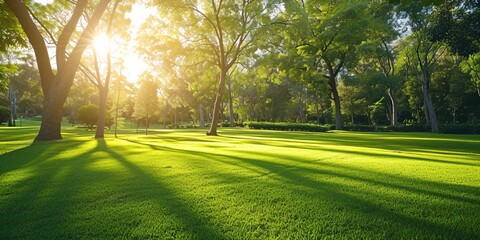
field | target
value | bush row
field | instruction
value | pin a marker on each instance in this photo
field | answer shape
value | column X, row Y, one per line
column 287, row 126
column 464, row 128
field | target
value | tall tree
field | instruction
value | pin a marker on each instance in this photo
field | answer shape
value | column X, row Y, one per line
column 334, row 29
column 222, row 31
column 57, row 83
column 99, row 70
column 426, row 54
column 146, row 106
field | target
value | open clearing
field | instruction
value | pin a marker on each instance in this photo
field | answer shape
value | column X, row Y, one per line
column 244, row 184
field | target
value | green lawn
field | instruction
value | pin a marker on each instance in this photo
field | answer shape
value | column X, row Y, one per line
column 244, row 184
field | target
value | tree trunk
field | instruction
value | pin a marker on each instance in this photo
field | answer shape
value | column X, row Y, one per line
column 394, row 107
column 336, row 99
column 218, row 100
column 55, row 87
column 202, row 118
column 230, row 104
column 102, row 112
column 430, row 109
column 52, row 114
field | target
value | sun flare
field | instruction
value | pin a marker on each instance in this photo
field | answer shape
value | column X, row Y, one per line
column 101, row 43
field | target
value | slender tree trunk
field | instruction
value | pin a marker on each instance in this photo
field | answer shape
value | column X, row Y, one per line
column 394, row 107
column 230, row 103
column 102, row 112
column 217, row 106
column 454, row 115
column 431, row 114
column 116, row 111
column 202, row 118
column 146, row 121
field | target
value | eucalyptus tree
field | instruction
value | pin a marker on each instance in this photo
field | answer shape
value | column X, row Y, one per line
column 332, row 30
column 220, row 30
column 380, row 53
column 425, row 52
column 70, row 41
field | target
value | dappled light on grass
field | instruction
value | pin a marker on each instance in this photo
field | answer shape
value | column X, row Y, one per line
column 242, row 184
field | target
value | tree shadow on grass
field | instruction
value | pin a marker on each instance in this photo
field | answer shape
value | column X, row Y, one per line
column 398, row 148
column 394, row 208
column 69, row 197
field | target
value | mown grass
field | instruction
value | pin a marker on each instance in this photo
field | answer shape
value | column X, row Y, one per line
column 244, row 184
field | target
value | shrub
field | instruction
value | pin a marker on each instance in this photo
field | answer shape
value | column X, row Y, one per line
column 36, row 118
column 287, row 126
column 360, row 128
column 88, row 115
column 4, row 114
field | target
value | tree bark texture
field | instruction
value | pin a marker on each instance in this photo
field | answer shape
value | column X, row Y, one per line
column 338, row 109
column 430, row 109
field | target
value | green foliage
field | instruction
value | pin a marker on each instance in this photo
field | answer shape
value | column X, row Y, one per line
column 88, row 115
column 287, row 126
column 11, row 35
column 455, row 23
column 4, row 114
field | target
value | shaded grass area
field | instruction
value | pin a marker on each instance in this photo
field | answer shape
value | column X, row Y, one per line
column 244, row 184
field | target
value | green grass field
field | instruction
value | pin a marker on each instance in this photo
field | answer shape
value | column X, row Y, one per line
column 244, row 184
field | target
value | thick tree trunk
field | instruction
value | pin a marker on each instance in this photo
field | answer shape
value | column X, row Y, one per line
column 431, row 114
column 202, row 117
column 394, row 107
column 102, row 112
column 52, row 114
column 217, row 106
column 338, row 110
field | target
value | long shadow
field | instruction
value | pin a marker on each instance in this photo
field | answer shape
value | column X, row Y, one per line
column 293, row 176
column 54, row 200
column 199, row 226
column 395, row 148
column 38, row 207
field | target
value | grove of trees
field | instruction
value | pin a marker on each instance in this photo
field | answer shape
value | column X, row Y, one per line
column 224, row 62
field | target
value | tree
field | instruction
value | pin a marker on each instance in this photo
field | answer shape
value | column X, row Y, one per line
column 471, row 65
column 57, row 83
column 426, row 54
column 221, row 31
column 146, row 106
column 101, row 76
column 333, row 30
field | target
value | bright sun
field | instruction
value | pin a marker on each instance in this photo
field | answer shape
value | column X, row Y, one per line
column 101, row 43
column 133, row 63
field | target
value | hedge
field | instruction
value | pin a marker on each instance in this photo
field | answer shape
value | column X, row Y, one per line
column 287, row 126
column 464, row 128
